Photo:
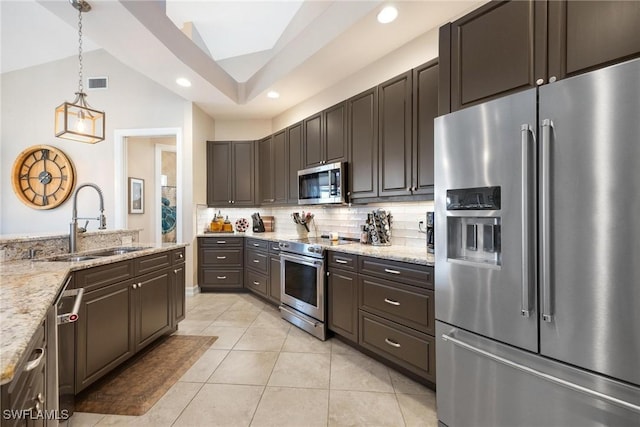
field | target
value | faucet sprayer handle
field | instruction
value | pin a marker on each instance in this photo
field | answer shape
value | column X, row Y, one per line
column 103, row 222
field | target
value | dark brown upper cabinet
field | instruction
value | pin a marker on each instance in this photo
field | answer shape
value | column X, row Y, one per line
column 294, row 160
column 362, row 114
column 279, row 167
column 508, row 46
column 425, row 110
column 266, row 181
column 325, row 136
column 230, row 173
column 394, row 131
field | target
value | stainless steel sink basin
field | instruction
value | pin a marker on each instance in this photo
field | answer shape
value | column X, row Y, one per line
column 116, row 251
column 92, row 255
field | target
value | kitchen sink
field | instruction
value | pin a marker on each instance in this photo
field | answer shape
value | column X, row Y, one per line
column 92, row 255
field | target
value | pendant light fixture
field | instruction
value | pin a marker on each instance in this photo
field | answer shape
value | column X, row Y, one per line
column 77, row 120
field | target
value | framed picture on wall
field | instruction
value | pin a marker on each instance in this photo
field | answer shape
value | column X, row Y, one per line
column 136, row 195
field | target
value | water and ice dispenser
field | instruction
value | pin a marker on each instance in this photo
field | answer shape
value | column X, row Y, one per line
column 474, row 239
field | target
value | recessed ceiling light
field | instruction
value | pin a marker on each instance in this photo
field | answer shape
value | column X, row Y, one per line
column 183, row 82
column 388, row 14
column 273, row 94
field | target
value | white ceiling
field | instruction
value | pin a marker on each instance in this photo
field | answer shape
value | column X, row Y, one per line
column 233, row 52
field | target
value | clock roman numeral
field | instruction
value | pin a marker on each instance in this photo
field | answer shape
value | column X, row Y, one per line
column 64, row 177
column 45, row 200
column 24, row 176
column 45, row 153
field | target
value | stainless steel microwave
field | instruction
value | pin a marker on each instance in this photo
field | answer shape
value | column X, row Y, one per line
column 322, row 184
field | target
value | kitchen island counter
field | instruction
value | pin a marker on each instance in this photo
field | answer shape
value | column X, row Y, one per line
column 29, row 287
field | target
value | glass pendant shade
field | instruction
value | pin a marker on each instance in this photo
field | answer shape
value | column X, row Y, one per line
column 79, row 122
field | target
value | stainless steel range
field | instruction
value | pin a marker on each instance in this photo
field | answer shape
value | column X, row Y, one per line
column 302, row 284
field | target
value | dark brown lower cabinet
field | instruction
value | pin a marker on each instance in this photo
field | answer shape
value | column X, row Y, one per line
column 152, row 298
column 274, row 277
column 342, row 302
column 178, row 289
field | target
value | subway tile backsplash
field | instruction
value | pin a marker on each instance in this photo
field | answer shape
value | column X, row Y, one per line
column 346, row 220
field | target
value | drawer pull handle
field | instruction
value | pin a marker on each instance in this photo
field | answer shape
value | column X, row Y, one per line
column 221, row 257
column 221, row 242
column 388, row 270
column 221, row 277
column 392, row 343
column 256, row 261
column 390, row 301
column 33, row 364
column 256, row 244
column 341, row 261
column 255, row 282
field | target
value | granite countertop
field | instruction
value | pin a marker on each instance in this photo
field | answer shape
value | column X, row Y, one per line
column 29, row 287
column 415, row 255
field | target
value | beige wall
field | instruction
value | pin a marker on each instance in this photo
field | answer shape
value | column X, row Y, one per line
column 240, row 130
column 28, row 99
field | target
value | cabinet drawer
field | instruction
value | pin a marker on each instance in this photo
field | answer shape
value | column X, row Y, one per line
column 407, row 305
column 257, row 244
column 152, row 263
column 274, row 247
column 229, row 278
column 257, row 260
column 255, row 281
column 98, row 277
column 343, row 260
column 179, row 256
column 231, row 257
column 411, row 274
column 220, row 241
column 403, row 346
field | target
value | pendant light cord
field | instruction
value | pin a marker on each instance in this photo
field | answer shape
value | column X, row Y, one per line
column 80, row 85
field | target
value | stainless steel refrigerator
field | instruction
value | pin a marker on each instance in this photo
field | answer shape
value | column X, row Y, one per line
column 537, row 273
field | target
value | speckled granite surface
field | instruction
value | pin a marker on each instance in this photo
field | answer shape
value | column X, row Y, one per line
column 394, row 252
column 29, row 288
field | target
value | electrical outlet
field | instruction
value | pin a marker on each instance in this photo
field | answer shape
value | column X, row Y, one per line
column 127, row 240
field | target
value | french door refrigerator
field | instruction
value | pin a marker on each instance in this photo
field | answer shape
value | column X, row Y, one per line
column 537, row 273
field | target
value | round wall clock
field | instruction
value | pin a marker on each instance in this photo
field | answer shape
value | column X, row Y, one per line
column 42, row 177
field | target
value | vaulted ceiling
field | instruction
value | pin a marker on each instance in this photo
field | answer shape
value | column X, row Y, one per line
column 233, row 52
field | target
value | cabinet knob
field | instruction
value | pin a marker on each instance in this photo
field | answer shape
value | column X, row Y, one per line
column 229, row 201
column 134, row 286
column 180, row 256
column 176, row 271
column 552, row 79
column 139, row 285
column 539, row 82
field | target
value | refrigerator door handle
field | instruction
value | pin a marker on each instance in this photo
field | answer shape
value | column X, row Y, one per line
column 525, row 309
column 547, row 128
column 543, row 375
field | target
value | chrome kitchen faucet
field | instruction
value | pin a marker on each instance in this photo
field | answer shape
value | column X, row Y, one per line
column 73, row 228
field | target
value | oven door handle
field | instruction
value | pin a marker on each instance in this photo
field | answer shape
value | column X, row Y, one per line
column 301, row 259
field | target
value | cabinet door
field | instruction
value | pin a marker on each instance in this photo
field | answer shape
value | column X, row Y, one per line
column 362, row 111
column 342, row 290
column 104, row 332
column 178, row 290
column 294, row 160
column 266, row 170
column 394, row 123
column 243, row 173
column 335, row 134
column 280, row 168
column 497, row 49
column 218, row 173
column 584, row 35
column 152, row 307
column 312, row 140
column 425, row 110
column 274, row 278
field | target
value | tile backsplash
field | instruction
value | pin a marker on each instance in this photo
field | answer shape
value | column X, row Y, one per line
column 345, row 220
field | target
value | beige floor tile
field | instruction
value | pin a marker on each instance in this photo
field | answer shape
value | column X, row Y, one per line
column 262, row 339
column 304, row 370
column 228, row 336
column 192, row 327
column 418, row 409
column 245, row 367
column 221, row 405
column 122, row 420
column 339, row 347
column 405, row 385
column 359, row 408
column 294, row 407
column 270, row 319
column 240, row 318
column 299, row 341
column 359, row 372
column 83, row 419
column 204, row 367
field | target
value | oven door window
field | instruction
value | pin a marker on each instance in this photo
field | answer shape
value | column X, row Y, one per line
column 301, row 282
